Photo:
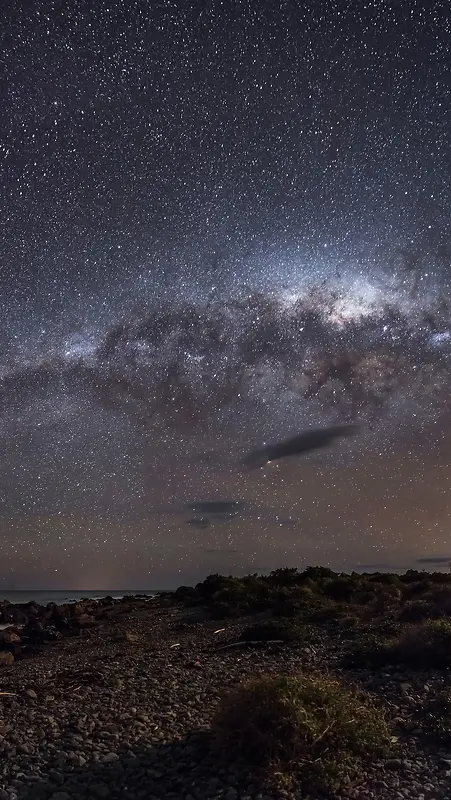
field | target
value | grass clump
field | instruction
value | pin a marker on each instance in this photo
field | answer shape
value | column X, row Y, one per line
column 427, row 645
column 306, row 729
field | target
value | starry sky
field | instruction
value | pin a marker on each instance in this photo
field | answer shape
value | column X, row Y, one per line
column 222, row 223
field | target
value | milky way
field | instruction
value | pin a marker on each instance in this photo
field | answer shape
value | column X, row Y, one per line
column 222, row 224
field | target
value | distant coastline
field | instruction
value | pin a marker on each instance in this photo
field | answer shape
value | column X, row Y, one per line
column 61, row 596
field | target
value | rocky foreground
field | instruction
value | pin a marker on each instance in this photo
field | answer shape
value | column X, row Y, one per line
column 115, row 699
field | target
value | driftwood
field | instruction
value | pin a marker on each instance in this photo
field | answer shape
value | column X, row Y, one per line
column 248, row 643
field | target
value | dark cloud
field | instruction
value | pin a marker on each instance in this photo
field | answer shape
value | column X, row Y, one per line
column 204, row 513
column 297, row 445
column 434, row 560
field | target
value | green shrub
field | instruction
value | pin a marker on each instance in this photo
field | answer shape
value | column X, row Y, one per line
column 418, row 611
column 340, row 589
column 426, row 645
column 371, row 649
column 414, row 590
column 309, row 729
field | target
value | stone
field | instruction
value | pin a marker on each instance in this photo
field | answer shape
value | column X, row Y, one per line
column 11, row 636
column 109, row 758
column 131, row 637
column 6, row 658
column 100, row 789
column 86, row 620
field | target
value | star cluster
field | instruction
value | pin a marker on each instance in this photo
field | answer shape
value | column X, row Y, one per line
column 222, row 223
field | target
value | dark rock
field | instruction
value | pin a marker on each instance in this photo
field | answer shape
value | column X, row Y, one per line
column 86, row 620
column 14, row 614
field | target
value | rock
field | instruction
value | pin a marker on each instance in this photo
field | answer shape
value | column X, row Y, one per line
column 86, row 620
column 100, row 789
column 109, row 758
column 394, row 763
column 14, row 614
column 10, row 636
column 6, row 658
column 195, row 664
column 31, row 694
column 131, row 637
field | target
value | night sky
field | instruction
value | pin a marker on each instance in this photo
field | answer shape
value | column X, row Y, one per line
column 222, row 223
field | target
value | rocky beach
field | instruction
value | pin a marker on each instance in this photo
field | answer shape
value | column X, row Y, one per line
column 116, row 698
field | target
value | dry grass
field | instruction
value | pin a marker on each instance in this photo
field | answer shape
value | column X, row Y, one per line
column 308, row 729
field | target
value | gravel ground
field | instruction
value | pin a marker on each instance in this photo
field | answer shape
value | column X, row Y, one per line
column 120, row 712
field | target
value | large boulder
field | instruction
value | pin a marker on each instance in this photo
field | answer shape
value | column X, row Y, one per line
column 14, row 615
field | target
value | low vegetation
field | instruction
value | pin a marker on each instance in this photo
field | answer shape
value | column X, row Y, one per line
column 318, row 592
column 425, row 645
column 303, row 729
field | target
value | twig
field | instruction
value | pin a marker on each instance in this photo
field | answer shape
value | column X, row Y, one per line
column 322, row 735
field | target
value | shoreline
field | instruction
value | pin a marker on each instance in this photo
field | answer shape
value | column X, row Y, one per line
column 122, row 707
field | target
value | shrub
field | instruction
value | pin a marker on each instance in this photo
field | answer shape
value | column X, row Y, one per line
column 426, row 645
column 223, row 610
column 384, row 579
column 284, row 576
column 440, row 596
column 371, row 649
column 309, row 729
column 423, row 646
column 418, row 611
column 413, row 590
column 341, row 588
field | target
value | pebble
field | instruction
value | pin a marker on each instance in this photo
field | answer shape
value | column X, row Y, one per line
column 109, row 758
